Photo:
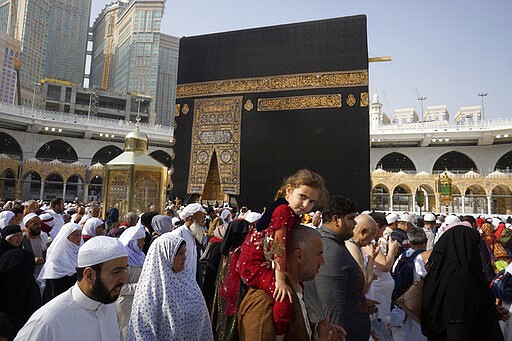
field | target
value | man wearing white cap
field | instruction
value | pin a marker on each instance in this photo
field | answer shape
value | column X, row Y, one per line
column 87, row 310
column 194, row 216
column 399, row 234
column 429, row 221
column 36, row 242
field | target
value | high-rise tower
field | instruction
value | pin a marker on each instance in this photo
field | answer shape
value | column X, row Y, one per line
column 131, row 55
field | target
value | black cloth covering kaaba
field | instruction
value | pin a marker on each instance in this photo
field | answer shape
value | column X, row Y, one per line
column 278, row 139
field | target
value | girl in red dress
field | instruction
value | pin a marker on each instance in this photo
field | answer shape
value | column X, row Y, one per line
column 262, row 261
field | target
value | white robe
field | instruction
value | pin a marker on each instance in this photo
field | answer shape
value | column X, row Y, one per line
column 191, row 262
column 72, row 316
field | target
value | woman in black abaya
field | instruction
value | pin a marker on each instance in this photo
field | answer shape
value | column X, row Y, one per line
column 457, row 302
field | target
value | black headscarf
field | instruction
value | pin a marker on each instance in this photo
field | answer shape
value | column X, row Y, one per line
column 112, row 216
column 145, row 219
column 7, row 231
column 235, row 235
column 457, row 302
column 19, row 293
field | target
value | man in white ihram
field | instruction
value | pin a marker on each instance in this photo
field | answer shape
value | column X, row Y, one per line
column 86, row 311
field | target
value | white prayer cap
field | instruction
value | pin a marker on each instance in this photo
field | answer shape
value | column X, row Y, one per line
column 28, row 217
column 132, row 233
column 99, row 250
column 190, row 209
column 391, row 218
column 451, row 219
column 406, row 217
column 429, row 217
column 251, row 217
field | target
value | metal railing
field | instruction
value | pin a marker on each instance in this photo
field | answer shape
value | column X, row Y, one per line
column 427, row 127
column 82, row 120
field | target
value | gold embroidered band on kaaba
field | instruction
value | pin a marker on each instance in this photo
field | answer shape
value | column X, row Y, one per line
column 320, row 80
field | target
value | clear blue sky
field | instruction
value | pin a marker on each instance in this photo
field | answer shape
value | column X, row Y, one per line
column 448, row 51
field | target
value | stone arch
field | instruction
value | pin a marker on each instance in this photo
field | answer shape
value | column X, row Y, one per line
column 475, row 200
column 57, row 149
column 74, row 187
column 163, row 157
column 402, row 198
column 10, row 146
column 380, row 197
column 395, row 162
column 31, row 185
column 504, row 163
column 106, row 154
column 8, row 184
column 95, row 186
column 455, row 162
column 430, row 197
column 501, row 200
column 53, row 186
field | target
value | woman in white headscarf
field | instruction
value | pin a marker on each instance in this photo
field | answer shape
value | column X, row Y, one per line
column 168, row 303
column 59, row 271
column 5, row 218
column 93, row 227
column 133, row 241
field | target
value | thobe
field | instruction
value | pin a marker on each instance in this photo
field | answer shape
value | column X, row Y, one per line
column 191, row 252
column 72, row 316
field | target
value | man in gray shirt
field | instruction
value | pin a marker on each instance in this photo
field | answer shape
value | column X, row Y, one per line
column 337, row 292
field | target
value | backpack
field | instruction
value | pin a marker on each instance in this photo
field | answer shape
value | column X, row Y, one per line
column 501, row 286
column 404, row 274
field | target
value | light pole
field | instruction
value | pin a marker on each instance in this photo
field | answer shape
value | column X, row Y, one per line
column 421, row 99
column 91, row 93
column 34, row 85
column 482, row 95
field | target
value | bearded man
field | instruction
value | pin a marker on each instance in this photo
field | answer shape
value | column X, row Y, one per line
column 87, row 310
column 193, row 232
column 36, row 242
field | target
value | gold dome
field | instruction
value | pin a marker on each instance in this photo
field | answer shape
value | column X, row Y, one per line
column 136, row 141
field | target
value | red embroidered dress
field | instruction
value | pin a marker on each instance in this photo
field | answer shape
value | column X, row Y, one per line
column 262, row 249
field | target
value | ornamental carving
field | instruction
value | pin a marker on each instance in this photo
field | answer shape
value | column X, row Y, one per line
column 364, row 99
column 351, row 100
column 216, row 130
column 275, row 83
column 299, row 102
column 214, row 137
column 118, row 189
column 248, row 105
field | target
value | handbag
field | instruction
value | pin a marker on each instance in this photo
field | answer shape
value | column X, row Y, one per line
column 410, row 301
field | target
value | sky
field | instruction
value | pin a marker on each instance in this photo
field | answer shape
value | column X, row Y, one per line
column 446, row 51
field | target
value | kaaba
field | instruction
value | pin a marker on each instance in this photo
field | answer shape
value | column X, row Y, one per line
column 253, row 106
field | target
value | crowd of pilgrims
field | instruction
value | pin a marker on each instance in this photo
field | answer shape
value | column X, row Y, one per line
column 201, row 272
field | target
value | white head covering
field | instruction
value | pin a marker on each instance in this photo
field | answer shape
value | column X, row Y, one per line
column 251, row 217
column 190, row 209
column 28, row 217
column 132, row 233
column 162, row 224
column 391, row 218
column 167, row 305
column 99, row 250
column 62, row 255
column 224, row 215
column 5, row 218
column 90, row 226
column 129, row 240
